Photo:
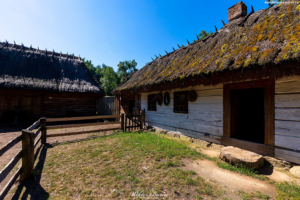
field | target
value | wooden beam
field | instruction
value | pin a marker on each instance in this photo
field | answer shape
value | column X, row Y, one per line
column 27, row 155
column 82, row 118
column 122, row 122
column 82, row 132
column 288, row 155
column 10, row 183
column 12, row 163
column 37, row 141
column 269, row 104
column 261, row 149
column 43, row 130
column 10, row 144
column 37, row 132
column 142, row 119
column 34, row 126
column 226, row 111
column 80, row 125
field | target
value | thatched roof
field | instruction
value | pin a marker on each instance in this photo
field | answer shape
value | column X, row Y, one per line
column 28, row 68
column 262, row 40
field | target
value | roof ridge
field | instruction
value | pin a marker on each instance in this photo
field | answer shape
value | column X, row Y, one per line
column 22, row 47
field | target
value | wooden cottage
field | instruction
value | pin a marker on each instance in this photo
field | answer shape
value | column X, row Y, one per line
column 238, row 87
column 35, row 83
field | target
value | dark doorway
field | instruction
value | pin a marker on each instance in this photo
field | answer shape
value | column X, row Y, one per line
column 131, row 106
column 247, row 114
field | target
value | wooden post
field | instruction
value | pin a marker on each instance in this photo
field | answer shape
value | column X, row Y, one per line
column 142, row 118
column 27, row 154
column 122, row 121
column 43, row 130
column 125, row 123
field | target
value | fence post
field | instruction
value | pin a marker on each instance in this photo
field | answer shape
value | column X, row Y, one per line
column 122, row 121
column 125, row 125
column 27, row 154
column 142, row 119
column 43, row 130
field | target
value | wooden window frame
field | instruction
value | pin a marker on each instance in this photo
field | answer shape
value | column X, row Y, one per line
column 186, row 103
column 269, row 106
column 149, row 95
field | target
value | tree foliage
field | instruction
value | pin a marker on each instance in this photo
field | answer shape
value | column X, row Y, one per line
column 107, row 77
column 126, row 68
column 203, row 34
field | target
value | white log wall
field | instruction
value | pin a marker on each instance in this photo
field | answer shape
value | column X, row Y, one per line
column 205, row 117
column 206, row 114
column 287, row 113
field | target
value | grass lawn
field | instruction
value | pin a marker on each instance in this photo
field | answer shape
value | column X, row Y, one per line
column 126, row 164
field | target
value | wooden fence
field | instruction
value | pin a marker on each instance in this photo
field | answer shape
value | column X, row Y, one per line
column 134, row 121
column 106, row 106
column 26, row 154
column 30, row 140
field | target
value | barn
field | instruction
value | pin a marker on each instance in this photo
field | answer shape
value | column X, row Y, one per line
column 36, row 83
column 238, row 87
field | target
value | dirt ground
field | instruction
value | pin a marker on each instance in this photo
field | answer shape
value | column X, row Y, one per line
column 9, row 133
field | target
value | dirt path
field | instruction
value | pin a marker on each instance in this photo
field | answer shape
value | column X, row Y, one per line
column 227, row 179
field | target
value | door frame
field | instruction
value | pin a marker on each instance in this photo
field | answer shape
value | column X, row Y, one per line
column 269, row 106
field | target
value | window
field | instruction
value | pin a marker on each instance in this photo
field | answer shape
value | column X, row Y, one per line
column 151, row 102
column 180, row 102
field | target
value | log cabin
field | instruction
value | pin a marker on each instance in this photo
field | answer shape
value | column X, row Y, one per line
column 238, row 87
column 36, row 83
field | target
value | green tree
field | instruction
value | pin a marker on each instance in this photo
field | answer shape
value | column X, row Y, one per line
column 203, row 34
column 109, row 79
column 126, row 68
column 95, row 71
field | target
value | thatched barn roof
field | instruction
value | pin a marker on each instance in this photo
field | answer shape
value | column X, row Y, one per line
column 265, row 43
column 32, row 69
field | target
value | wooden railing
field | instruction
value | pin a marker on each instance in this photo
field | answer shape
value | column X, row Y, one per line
column 44, row 126
column 28, row 145
column 30, row 140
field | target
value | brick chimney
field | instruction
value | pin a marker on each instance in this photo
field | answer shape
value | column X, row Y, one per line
column 237, row 11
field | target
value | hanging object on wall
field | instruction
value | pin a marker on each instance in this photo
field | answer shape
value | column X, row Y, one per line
column 167, row 98
column 192, row 96
column 159, row 98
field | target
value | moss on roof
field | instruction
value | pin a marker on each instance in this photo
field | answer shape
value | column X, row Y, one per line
column 268, row 36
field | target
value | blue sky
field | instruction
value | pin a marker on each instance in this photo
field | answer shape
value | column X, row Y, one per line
column 109, row 31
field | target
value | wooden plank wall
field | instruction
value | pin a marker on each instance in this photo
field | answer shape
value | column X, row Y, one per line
column 107, row 105
column 19, row 108
column 117, row 105
column 137, row 101
column 205, row 117
column 287, row 113
column 68, row 106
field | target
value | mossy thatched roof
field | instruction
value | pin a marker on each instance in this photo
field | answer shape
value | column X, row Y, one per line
column 267, row 37
column 28, row 68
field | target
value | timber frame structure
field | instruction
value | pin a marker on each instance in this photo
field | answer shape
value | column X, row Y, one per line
column 250, row 65
column 36, row 83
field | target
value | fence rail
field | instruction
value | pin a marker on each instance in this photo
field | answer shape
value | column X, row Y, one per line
column 80, row 125
column 13, row 162
column 10, row 144
column 81, row 118
column 30, row 140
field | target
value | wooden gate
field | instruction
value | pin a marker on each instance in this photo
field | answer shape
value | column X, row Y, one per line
column 134, row 121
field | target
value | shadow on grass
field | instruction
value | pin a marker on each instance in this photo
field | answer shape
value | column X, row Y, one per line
column 32, row 188
column 84, row 139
